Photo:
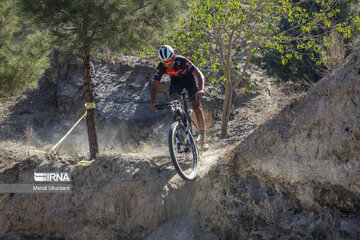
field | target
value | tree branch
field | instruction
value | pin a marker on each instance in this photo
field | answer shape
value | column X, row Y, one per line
column 237, row 26
column 249, row 56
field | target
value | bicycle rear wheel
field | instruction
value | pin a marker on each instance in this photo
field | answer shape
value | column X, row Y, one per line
column 183, row 151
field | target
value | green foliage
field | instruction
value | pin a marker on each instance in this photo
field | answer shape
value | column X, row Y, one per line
column 23, row 51
column 229, row 33
column 304, row 71
column 122, row 25
column 220, row 32
column 332, row 47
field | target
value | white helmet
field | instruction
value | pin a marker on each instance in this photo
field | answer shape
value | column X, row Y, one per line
column 166, row 53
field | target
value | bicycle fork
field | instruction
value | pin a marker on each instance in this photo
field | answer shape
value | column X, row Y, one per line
column 186, row 146
column 180, row 139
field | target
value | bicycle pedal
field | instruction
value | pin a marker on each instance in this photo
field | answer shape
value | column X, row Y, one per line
column 186, row 150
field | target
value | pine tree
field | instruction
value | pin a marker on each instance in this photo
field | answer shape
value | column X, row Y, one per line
column 23, row 51
column 88, row 24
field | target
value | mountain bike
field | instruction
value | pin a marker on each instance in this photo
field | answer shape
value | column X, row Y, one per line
column 184, row 136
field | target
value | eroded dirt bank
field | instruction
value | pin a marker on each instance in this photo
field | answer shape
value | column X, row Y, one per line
column 292, row 174
column 120, row 196
column 297, row 175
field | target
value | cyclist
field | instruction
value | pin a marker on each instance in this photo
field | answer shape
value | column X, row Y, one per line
column 183, row 74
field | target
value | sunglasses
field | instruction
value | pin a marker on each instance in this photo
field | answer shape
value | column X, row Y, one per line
column 167, row 62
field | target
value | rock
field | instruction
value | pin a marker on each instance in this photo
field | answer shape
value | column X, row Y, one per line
column 127, row 81
column 316, row 138
column 349, row 229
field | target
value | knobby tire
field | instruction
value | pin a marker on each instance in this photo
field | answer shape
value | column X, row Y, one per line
column 186, row 163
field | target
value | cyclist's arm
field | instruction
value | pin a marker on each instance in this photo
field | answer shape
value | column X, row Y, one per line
column 153, row 91
column 199, row 77
column 160, row 70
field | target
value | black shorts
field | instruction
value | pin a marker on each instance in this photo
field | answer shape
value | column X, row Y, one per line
column 178, row 84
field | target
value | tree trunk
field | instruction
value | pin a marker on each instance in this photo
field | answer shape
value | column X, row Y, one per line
column 227, row 105
column 89, row 97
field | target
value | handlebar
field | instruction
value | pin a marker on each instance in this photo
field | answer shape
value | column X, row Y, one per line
column 161, row 106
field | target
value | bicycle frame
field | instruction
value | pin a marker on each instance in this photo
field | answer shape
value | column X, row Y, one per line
column 180, row 111
column 182, row 145
column 186, row 110
column 181, row 115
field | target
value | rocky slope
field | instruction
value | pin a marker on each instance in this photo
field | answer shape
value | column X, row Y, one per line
column 284, row 173
column 122, row 96
column 296, row 176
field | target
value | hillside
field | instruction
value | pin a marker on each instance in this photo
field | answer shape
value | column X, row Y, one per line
column 289, row 169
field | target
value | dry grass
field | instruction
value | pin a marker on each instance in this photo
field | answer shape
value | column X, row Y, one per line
column 208, row 118
column 146, row 148
column 240, row 92
column 335, row 51
column 29, row 135
column 129, row 148
column 67, row 152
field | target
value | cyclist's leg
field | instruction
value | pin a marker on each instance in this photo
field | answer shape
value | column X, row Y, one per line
column 175, row 91
column 196, row 106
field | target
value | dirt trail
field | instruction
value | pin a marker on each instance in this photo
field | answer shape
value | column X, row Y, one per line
column 254, row 111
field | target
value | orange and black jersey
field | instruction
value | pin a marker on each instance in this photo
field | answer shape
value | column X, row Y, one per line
column 182, row 67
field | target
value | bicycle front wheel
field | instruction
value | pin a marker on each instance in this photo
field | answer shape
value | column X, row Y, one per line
column 183, row 151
